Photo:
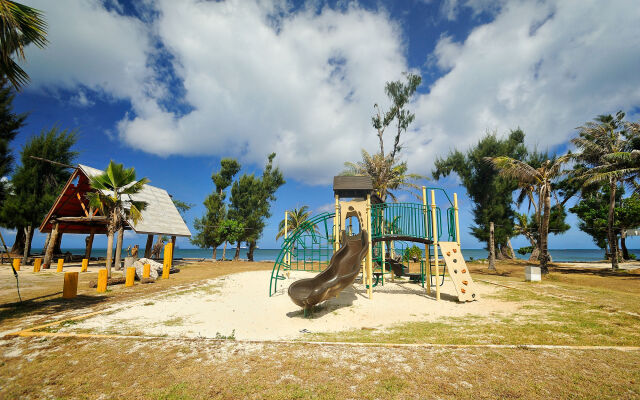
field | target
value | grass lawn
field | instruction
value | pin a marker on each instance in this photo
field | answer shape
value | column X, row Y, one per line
column 570, row 307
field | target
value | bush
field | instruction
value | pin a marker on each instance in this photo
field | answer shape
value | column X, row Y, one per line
column 525, row 250
column 412, row 253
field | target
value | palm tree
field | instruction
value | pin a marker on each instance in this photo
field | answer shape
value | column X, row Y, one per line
column 20, row 25
column 386, row 175
column 113, row 193
column 540, row 179
column 607, row 147
column 295, row 219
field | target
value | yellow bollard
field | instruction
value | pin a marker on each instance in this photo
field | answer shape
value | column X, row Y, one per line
column 85, row 264
column 146, row 271
column 70, row 288
column 37, row 263
column 102, row 281
column 16, row 264
column 168, row 256
column 60, row 264
column 131, row 276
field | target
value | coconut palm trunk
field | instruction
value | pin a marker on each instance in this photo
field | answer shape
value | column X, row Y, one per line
column 109, row 253
column 544, row 233
column 611, row 233
column 215, row 256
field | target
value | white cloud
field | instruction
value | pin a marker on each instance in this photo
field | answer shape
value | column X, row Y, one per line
column 544, row 67
column 92, row 48
column 258, row 78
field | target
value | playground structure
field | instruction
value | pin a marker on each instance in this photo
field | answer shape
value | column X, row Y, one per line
column 314, row 244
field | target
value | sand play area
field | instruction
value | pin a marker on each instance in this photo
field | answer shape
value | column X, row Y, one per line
column 238, row 305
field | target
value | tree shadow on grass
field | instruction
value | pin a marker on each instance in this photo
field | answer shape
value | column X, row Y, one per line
column 43, row 307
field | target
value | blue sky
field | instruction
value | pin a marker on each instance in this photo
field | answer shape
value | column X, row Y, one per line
column 171, row 87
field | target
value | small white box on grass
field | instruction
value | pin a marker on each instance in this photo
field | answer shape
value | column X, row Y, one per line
column 532, row 274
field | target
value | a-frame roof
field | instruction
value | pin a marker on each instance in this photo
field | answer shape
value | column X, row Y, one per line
column 161, row 217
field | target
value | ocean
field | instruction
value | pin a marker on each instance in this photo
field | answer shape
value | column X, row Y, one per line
column 568, row 255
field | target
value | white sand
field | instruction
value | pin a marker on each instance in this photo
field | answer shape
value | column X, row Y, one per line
column 240, row 303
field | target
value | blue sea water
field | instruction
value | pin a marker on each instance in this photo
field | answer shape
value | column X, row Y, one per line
column 568, row 255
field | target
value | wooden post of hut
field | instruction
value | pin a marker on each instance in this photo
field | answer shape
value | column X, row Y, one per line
column 53, row 237
column 173, row 247
column 148, row 247
column 89, row 245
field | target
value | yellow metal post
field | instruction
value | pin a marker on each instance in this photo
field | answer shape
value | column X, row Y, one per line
column 70, row 288
column 146, row 270
column 60, row 264
column 131, row 276
column 166, row 267
column 37, row 263
column 455, row 208
column 85, row 264
column 434, row 223
column 426, row 233
column 336, row 226
column 370, row 250
column 102, row 281
column 16, row 264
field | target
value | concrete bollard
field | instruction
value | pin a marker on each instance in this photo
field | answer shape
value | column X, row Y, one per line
column 532, row 273
column 70, row 289
column 16, row 264
column 60, row 264
column 85, row 264
column 131, row 276
column 102, row 281
column 146, row 271
column 37, row 263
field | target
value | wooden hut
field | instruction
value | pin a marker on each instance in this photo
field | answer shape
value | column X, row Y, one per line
column 71, row 214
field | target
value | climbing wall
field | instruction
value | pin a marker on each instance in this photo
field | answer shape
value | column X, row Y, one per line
column 458, row 271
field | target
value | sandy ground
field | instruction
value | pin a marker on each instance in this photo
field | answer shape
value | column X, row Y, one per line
column 601, row 265
column 239, row 304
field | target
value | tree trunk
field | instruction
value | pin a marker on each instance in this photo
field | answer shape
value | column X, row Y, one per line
column 27, row 246
column 535, row 254
column 252, row 247
column 623, row 244
column 148, row 247
column 18, row 244
column 236, row 257
column 613, row 240
column 215, row 249
column 224, row 251
column 46, row 243
column 512, row 253
column 118, row 260
column 58, row 249
column 109, row 253
column 89, row 246
column 492, row 248
column 50, row 245
column 544, row 234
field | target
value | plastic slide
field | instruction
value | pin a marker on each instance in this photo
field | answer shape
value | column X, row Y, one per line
column 342, row 271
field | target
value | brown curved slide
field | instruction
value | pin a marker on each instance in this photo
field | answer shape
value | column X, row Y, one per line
column 341, row 272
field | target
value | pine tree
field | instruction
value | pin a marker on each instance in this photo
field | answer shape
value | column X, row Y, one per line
column 35, row 184
column 10, row 124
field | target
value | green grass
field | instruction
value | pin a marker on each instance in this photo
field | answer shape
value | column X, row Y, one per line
column 542, row 318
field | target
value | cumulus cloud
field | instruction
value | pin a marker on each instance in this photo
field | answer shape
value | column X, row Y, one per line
column 546, row 67
column 244, row 78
